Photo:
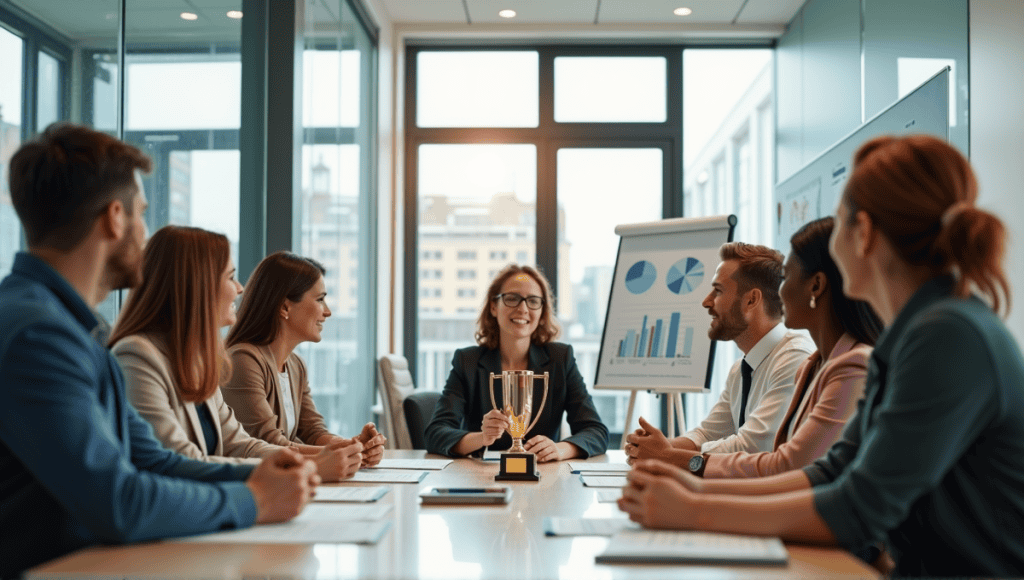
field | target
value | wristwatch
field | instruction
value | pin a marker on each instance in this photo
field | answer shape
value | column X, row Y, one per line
column 698, row 463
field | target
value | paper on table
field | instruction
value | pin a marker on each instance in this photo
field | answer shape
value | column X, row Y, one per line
column 632, row 546
column 387, row 476
column 604, row 480
column 587, row 526
column 343, row 512
column 350, row 494
column 607, row 495
column 594, row 468
column 420, row 464
column 300, row 532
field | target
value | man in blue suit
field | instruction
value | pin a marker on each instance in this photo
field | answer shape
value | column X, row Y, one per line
column 78, row 466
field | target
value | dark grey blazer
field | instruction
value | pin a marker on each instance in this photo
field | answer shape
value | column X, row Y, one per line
column 465, row 401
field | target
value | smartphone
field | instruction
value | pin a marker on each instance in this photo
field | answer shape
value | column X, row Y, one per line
column 466, row 495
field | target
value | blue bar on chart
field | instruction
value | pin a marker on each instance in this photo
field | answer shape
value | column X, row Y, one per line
column 673, row 334
column 657, row 338
column 642, row 350
column 646, row 342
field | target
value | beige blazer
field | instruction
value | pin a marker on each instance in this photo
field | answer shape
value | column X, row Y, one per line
column 152, row 391
column 254, row 392
column 818, row 412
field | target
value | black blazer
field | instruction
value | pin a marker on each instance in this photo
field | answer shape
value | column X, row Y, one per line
column 465, row 401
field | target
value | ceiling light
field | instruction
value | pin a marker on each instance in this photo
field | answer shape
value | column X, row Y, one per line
column 189, row 16
column 236, row 14
column 682, row 12
column 507, row 13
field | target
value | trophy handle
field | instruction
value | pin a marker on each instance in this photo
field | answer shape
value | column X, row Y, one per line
column 490, row 390
column 544, row 399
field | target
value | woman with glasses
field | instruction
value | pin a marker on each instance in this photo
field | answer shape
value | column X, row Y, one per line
column 515, row 331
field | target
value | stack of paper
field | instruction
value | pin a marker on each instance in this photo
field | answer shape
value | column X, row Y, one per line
column 599, row 468
column 387, row 476
column 419, row 464
column 604, row 480
column 317, row 524
column 650, row 546
column 587, row 526
column 608, row 495
column 350, row 494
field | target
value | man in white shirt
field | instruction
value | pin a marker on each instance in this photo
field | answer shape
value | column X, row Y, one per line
column 745, row 307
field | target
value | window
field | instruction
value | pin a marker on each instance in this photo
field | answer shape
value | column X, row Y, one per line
column 608, row 131
column 466, row 274
column 467, row 293
column 334, row 206
column 11, row 50
column 728, row 161
column 466, row 255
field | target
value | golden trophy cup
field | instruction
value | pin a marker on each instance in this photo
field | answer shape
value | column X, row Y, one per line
column 517, row 464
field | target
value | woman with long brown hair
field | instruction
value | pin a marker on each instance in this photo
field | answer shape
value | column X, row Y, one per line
column 168, row 344
column 285, row 305
column 515, row 331
column 933, row 462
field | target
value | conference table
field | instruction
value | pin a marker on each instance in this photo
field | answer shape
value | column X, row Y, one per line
column 442, row 542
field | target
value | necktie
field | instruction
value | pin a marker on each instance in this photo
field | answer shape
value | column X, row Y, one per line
column 747, row 373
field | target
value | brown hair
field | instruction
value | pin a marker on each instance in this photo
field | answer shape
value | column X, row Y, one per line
column 181, row 282
column 61, row 181
column 758, row 267
column 279, row 276
column 920, row 192
column 548, row 329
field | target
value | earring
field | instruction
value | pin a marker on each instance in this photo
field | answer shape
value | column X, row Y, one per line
column 813, row 303
column 812, row 300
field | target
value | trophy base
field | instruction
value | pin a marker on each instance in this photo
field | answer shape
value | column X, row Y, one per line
column 518, row 467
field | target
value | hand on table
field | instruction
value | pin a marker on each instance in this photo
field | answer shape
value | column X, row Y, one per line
column 373, row 445
column 656, row 497
column 281, row 485
column 544, row 448
column 648, row 442
column 494, row 425
column 339, row 459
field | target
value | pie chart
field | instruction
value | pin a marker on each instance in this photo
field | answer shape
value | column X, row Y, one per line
column 685, row 275
column 640, row 277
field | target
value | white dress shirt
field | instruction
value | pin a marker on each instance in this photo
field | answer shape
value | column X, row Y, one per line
column 289, row 404
column 775, row 360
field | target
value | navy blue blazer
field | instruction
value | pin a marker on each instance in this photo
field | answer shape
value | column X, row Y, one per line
column 78, row 466
column 465, row 400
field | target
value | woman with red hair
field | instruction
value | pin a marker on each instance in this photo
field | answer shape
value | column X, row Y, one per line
column 933, row 462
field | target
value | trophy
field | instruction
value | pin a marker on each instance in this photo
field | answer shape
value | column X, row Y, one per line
column 517, row 395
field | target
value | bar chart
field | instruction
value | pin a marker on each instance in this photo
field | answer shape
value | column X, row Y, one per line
column 645, row 341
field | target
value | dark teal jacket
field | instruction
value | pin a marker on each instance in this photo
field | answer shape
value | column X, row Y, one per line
column 933, row 461
column 78, row 466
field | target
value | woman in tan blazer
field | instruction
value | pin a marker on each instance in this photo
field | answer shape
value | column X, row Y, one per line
column 168, row 344
column 828, row 386
column 284, row 306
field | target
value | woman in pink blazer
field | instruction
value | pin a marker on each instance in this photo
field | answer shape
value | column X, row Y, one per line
column 828, row 384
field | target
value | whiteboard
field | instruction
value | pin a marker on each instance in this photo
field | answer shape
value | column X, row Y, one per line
column 814, row 190
column 655, row 332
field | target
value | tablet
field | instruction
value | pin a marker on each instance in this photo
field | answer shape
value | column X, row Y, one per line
column 466, row 495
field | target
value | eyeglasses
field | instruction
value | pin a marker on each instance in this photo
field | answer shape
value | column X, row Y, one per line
column 512, row 300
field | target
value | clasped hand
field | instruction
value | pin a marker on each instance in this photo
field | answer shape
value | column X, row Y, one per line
column 281, row 485
column 648, row 442
column 660, row 495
